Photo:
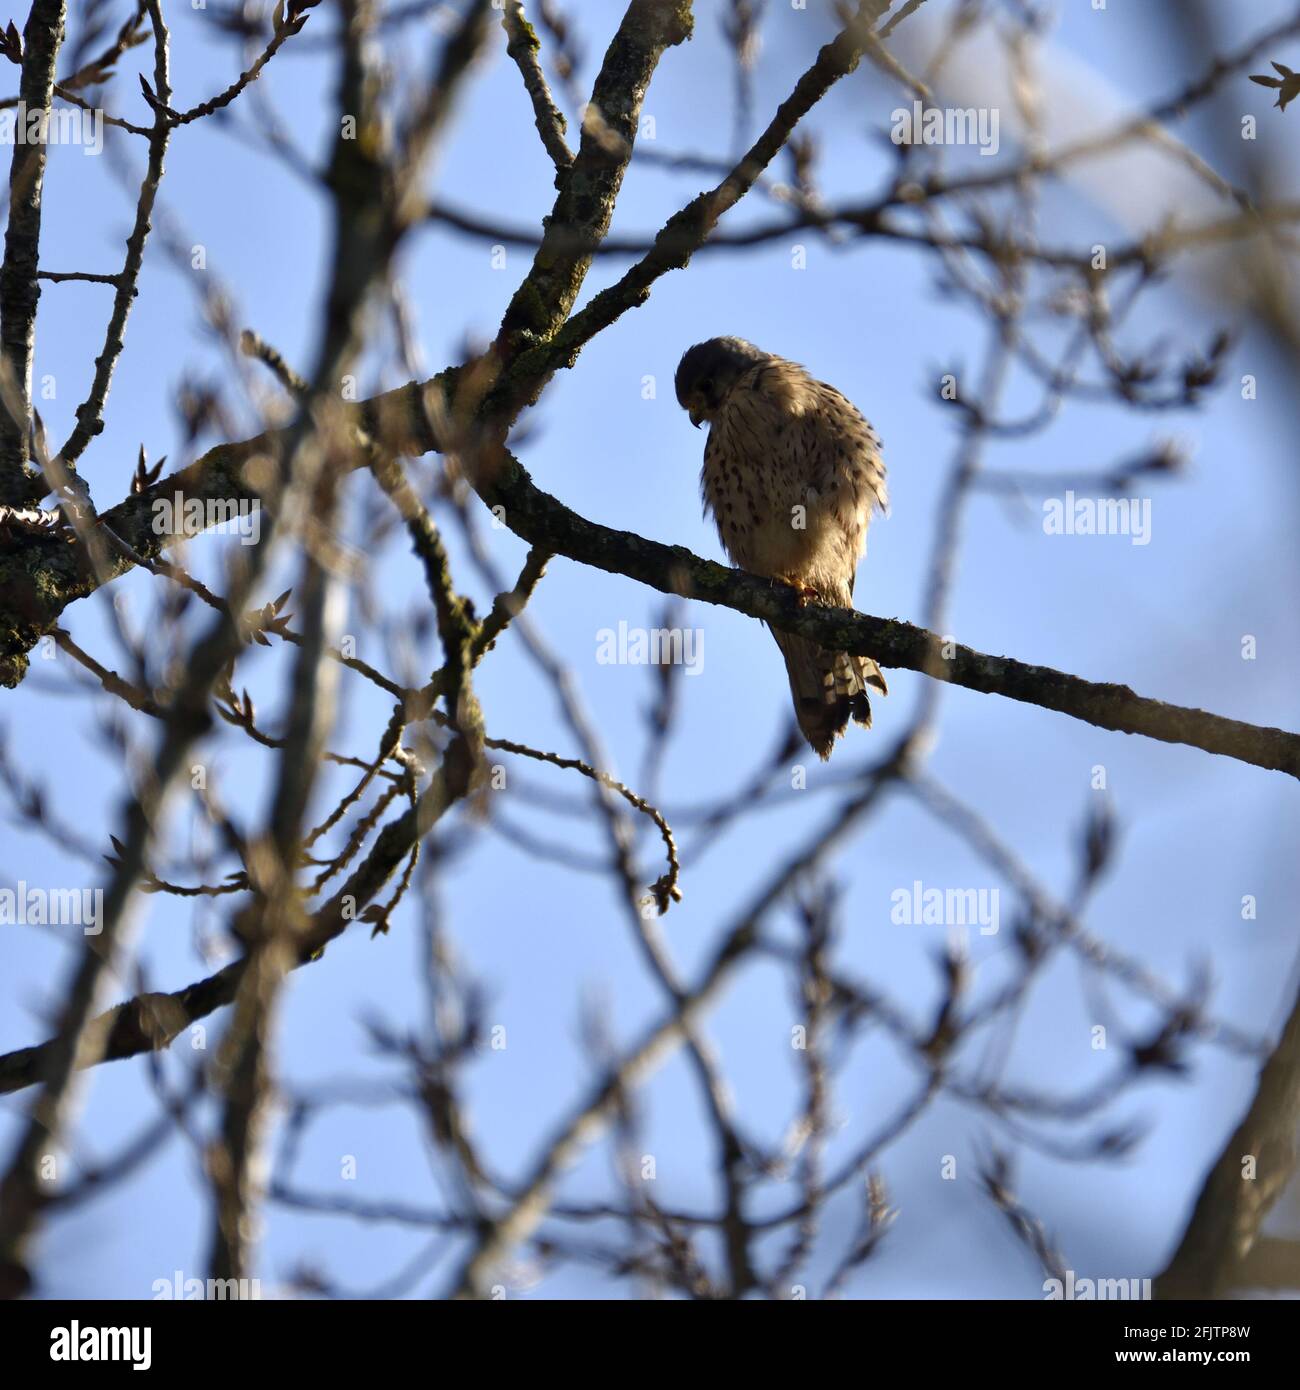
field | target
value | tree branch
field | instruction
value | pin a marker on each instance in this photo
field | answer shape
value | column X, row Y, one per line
column 19, row 290
column 1249, row 1176
column 543, row 520
column 522, row 45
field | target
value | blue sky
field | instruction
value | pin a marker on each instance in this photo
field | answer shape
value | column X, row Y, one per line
column 1198, row 832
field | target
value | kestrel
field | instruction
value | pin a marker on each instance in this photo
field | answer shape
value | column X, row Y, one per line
column 792, row 472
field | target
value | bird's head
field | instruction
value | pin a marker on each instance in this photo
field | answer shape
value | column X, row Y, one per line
column 708, row 371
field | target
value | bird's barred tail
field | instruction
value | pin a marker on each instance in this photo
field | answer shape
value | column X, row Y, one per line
column 829, row 688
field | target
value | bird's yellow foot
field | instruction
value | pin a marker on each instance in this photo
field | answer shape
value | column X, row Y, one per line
column 803, row 593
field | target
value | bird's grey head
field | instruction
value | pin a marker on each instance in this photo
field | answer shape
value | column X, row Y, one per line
column 709, row 370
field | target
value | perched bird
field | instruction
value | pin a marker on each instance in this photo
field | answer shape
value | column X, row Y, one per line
column 792, row 472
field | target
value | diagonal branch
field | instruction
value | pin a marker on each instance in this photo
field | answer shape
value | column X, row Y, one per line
column 1247, row 1178
column 522, row 45
column 543, row 520
column 676, row 241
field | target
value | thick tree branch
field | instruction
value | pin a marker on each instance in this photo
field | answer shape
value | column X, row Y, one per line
column 682, row 234
column 1249, row 1176
column 541, row 519
column 585, row 204
column 19, row 290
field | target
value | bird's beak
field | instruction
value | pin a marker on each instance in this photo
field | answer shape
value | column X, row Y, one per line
column 697, row 416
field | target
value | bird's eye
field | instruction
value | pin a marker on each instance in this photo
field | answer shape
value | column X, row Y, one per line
column 706, row 386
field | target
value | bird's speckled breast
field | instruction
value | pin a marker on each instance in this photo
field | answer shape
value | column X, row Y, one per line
column 791, row 474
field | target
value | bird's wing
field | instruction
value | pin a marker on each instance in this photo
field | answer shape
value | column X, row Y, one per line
column 851, row 473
